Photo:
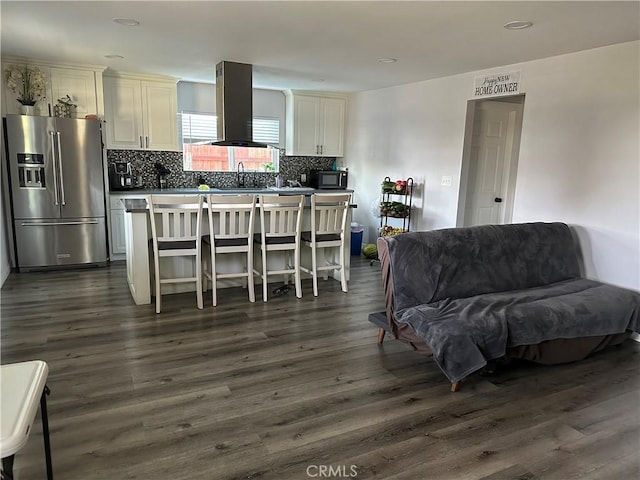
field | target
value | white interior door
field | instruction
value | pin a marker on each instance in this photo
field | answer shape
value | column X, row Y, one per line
column 494, row 149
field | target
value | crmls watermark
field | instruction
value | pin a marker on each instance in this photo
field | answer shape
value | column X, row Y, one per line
column 332, row 471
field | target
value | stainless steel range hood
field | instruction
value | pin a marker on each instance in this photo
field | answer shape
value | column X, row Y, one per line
column 234, row 105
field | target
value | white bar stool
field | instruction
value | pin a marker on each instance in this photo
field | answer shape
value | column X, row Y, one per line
column 176, row 223
column 280, row 221
column 231, row 226
column 22, row 385
column 328, row 223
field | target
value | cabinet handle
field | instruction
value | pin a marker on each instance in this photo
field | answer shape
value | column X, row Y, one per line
column 317, row 150
column 321, row 149
column 141, row 145
column 147, row 140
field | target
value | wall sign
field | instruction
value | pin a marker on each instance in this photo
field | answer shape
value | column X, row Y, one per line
column 496, row 85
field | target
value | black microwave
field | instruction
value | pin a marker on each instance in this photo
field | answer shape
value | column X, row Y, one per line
column 328, row 179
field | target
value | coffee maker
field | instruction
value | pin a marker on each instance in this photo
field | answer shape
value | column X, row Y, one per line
column 121, row 176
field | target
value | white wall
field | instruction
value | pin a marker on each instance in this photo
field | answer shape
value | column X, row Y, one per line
column 579, row 157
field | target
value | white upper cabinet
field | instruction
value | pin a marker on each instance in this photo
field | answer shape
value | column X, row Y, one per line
column 315, row 124
column 80, row 85
column 83, row 84
column 140, row 113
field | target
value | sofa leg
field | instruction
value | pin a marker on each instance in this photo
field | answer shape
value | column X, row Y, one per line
column 381, row 333
column 455, row 386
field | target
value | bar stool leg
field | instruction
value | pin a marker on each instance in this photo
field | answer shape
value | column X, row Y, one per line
column 45, row 431
column 314, row 269
column 7, row 468
column 265, row 285
column 296, row 260
column 343, row 271
column 250, row 279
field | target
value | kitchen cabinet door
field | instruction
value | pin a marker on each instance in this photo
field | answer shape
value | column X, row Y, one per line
column 140, row 114
column 315, row 125
column 123, row 111
column 305, row 126
column 80, row 85
column 160, row 106
column 117, row 238
column 118, row 242
column 332, row 127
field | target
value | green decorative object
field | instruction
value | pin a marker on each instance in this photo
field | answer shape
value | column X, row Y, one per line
column 64, row 107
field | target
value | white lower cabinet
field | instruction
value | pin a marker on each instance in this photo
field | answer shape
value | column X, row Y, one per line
column 117, row 237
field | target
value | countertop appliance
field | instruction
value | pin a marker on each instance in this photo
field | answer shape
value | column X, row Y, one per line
column 121, row 176
column 57, row 191
column 328, row 179
column 162, row 173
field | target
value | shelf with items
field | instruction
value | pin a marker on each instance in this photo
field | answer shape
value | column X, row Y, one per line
column 395, row 208
column 396, row 204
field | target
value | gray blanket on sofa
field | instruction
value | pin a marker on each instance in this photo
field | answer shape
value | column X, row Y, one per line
column 470, row 293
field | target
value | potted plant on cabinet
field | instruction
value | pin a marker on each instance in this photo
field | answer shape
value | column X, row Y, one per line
column 28, row 82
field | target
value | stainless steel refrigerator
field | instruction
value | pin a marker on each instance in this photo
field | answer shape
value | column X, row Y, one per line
column 57, row 191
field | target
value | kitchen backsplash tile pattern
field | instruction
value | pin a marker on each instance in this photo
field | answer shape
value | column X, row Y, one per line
column 143, row 165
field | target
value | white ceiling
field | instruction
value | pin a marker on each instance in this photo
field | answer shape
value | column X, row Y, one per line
column 328, row 45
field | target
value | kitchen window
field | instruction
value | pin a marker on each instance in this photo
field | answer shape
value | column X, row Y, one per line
column 198, row 130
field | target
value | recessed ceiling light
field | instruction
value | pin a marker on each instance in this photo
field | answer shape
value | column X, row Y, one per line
column 113, row 56
column 517, row 25
column 127, row 22
column 387, row 60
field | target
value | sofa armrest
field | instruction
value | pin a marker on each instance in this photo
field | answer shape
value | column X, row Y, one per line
column 402, row 331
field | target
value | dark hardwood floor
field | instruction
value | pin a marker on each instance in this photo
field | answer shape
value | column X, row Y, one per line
column 295, row 389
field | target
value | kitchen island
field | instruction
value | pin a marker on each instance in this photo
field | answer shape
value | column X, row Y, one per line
column 138, row 232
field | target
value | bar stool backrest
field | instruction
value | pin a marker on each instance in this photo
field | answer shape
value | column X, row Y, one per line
column 329, row 215
column 231, row 217
column 280, row 216
column 176, row 219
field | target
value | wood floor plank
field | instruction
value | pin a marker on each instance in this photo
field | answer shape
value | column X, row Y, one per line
column 266, row 390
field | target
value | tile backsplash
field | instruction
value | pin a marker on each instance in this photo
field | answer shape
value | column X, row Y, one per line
column 143, row 165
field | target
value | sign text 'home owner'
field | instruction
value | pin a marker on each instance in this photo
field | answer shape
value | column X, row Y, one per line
column 497, row 85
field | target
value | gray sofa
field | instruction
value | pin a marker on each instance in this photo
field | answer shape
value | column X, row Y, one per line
column 469, row 295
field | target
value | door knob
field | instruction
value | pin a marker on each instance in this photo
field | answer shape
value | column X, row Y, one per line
column 497, row 200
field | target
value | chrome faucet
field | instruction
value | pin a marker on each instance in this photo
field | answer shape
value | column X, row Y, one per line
column 240, row 174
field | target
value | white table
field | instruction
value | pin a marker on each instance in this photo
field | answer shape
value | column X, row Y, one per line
column 22, row 385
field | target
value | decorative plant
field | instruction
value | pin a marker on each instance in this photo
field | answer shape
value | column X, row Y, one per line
column 27, row 81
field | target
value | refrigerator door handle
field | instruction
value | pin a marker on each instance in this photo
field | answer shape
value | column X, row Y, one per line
column 55, row 169
column 55, row 224
column 61, row 173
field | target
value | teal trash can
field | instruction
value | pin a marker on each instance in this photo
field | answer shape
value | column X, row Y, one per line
column 357, row 232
